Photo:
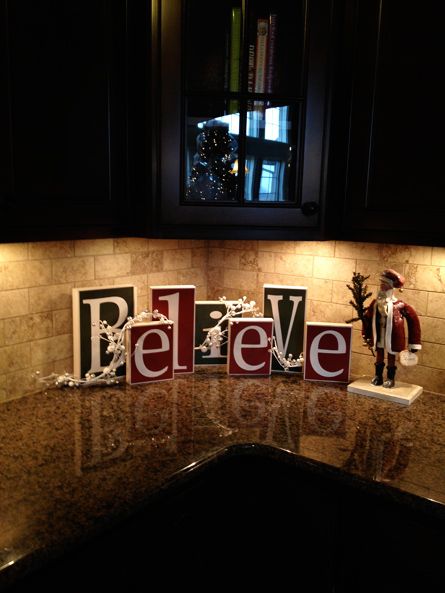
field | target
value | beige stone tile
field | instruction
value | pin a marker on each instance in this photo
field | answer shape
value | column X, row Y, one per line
column 62, row 321
column 215, row 243
column 321, row 290
column 341, row 293
column 176, row 259
column 242, row 245
column 326, row 248
column 162, row 244
column 50, row 349
column 283, row 280
column 138, row 280
column 51, row 249
column 433, row 330
column 405, row 254
column 219, row 257
column 430, row 379
column 200, row 258
column 244, row 280
column 2, row 332
column 425, row 277
column 110, row 266
column 28, row 327
column 13, row 252
column 331, row 312
column 373, row 269
column 24, row 274
column 248, row 260
column 93, row 247
column 277, row 246
column 354, row 250
column 196, row 276
column 193, row 244
column 333, row 268
column 95, row 283
column 14, row 303
column 201, row 293
column 15, row 357
column 362, row 364
column 73, row 269
column 215, row 283
column 163, row 278
column 50, row 298
column 145, row 263
column 433, row 355
column 131, row 245
column 266, row 261
column 21, row 383
column 357, row 341
column 3, row 390
column 297, row 265
column 65, row 365
column 438, row 256
column 435, row 307
column 416, row 298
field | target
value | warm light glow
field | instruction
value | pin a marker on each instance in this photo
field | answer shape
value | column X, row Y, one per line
column 234, row 170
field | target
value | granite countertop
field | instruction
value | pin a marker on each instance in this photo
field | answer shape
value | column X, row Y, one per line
column 71, row 461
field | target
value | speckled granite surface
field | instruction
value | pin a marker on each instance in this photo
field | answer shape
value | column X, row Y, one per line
column 71, row 461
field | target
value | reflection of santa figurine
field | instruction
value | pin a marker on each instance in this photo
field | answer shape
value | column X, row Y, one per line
column 213, row 176
column 384, row 326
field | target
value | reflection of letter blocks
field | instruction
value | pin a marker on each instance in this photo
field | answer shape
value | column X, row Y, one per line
column 178, row 304
column 327, row 354
column 150, row 352
column 250, row 346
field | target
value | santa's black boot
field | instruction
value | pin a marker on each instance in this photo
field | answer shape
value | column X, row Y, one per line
column 378, row 377
column 391, row 376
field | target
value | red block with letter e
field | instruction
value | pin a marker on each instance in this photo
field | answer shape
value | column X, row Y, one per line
column 178, row 304
column 150, row 352
column 327, row 353
column 250, row 340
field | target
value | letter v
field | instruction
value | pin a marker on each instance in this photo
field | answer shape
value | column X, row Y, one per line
column 274, row 299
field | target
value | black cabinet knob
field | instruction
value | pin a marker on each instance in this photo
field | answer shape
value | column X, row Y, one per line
column 309, row 208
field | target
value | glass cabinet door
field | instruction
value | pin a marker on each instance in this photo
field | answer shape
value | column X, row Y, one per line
column 243, row 98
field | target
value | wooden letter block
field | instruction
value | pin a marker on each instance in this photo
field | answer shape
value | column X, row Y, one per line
column 327, row 355
column 91, row 305
column 287, row 306
column 150, row 352
column 178, row 304
column 250, row 341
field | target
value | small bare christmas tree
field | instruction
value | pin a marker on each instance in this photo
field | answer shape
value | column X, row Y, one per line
column 359, row 293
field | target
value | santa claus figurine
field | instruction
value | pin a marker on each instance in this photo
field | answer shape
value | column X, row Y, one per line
column 384, row 327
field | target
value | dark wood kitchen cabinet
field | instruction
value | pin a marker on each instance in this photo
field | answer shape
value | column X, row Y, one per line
column 242, row 117
column 68, row 148
column 395, row 184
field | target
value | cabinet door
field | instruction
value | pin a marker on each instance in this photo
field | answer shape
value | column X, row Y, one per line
column 395, row 182
column 243, row 103
column 63, row 120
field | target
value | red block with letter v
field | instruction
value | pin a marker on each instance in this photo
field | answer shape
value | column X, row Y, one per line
column 250, row 341
column 178, row 304
column 327, row 353
column 150, row 352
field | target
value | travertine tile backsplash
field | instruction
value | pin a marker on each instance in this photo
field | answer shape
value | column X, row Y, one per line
column 36, row 280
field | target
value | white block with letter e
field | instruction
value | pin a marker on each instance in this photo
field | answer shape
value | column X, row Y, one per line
column 178, row 304
column 91, row 305
column 327, row 352
column 150, row 352
column 250, row 346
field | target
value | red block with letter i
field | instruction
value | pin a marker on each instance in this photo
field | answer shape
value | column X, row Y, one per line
column 178, row 304
column 150, row 352
column 327, row 353
column 250, row 341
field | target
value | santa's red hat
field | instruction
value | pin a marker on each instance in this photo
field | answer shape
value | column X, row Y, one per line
column 393, row 278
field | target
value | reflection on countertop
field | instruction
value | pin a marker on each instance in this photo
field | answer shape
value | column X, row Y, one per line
column 72, row 460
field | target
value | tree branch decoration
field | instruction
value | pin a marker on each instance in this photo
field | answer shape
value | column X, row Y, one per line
column 216, row 336
column 116, row 348
column 360, row 293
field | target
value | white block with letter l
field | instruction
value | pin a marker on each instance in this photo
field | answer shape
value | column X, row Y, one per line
column 250, row 346
column 177, row 303
column 327, row 352
column 113, row 304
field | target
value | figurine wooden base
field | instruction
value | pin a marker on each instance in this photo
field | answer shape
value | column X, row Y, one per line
column 401, row 393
